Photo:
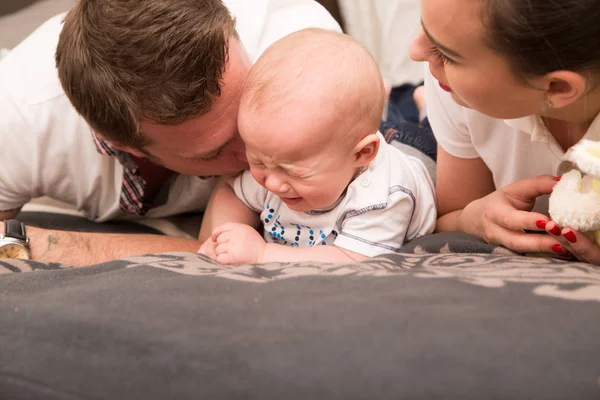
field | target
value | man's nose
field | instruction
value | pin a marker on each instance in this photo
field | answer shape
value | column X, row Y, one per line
column 241, row 156
column 238, row 148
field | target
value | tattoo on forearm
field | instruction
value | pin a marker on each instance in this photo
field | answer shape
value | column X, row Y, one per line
column 52, row 240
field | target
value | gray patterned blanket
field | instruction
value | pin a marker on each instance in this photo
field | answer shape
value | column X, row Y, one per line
column 449, row 318
column 446, row 255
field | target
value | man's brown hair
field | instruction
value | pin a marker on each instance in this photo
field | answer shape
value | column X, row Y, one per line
column 123, row 61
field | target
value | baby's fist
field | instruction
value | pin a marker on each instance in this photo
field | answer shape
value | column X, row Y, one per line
column 238, row 244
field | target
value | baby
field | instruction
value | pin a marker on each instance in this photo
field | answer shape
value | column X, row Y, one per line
column 323, row 182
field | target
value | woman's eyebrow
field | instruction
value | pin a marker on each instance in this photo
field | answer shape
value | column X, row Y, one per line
column 439, row 45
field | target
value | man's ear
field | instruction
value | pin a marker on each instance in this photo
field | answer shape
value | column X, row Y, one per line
column 136, row 152
column 564, row 88
column 366, row 150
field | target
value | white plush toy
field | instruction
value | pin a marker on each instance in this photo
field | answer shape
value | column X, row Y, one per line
column 575, row 200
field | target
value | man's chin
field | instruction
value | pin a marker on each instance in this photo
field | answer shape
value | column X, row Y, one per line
column 216, row 172
column 230, row 171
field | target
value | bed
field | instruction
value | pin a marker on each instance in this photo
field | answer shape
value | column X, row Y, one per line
column 449, row 317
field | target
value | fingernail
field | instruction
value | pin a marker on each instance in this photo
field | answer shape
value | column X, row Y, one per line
column 557, row 248
column 558, row 178
column 541, row 224
column 570, row 236
column 555, row 231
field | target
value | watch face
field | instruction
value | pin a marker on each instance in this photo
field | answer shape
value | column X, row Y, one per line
column 13, row 250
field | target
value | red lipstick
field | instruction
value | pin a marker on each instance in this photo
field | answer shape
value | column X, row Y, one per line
column 445, row 88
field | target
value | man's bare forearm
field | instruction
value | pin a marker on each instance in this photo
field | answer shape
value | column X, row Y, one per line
column 84, row 248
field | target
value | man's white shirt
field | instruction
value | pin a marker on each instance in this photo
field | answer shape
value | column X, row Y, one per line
column 47, row 148
column 388, row 204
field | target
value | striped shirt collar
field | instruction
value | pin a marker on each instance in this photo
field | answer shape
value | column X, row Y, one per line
column 133, row 186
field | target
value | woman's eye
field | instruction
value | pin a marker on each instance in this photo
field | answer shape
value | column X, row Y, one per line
column 441, row 56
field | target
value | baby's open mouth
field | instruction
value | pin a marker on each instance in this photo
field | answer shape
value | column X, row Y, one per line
column 291, row 200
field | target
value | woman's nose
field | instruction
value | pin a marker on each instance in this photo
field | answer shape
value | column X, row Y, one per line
column 418, row 50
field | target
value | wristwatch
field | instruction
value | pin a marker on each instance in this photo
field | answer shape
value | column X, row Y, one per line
column 14, row 243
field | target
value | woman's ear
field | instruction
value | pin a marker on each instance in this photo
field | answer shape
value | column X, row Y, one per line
column 564, row 88
column 366, row 150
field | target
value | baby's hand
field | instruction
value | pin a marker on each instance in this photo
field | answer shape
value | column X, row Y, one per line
column 208, row 248
column 238, row 244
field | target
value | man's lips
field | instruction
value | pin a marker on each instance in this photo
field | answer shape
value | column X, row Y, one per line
column 444, row 87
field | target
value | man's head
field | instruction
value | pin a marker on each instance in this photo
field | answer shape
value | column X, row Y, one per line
column 309, row 114
column 158, row 78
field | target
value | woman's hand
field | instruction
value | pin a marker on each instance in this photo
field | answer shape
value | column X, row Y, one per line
column 576, row 243
column 502, row 217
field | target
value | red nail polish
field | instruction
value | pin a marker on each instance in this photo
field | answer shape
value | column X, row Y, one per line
column 555, row 231
column 557, row 248
column 558, row 178
column 570, row 236
column 541, row 224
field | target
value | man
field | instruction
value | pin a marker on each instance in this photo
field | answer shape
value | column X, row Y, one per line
column 126, row 109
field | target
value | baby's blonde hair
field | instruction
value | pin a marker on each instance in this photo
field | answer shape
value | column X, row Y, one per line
column 318, row 66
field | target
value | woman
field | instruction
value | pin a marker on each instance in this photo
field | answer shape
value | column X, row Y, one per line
column 512, row 85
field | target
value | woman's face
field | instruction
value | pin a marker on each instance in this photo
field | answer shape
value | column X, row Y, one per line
column 451, row 40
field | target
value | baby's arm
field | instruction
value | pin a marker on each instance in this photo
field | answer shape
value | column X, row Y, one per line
column 372, row 233
column 235, row 243
column 278, row 252
column 223, row 207
column 369, row 231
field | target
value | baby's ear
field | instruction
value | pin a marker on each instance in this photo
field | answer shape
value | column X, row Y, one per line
column 366, row 150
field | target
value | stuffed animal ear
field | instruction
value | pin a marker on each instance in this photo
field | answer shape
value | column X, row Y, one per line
column 584, row 156
column 564, row 167
column 575, row 202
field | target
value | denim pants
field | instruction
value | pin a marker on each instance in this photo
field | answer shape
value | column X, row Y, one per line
column 403, row 124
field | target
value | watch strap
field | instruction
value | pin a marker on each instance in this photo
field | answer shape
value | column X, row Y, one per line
column 15, row 229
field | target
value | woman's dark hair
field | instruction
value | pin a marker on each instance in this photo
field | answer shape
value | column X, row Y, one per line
column 542, row 36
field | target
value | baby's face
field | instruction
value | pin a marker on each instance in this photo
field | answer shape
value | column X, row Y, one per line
column 313, row 183
column 305, row 172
